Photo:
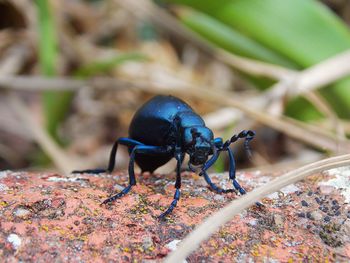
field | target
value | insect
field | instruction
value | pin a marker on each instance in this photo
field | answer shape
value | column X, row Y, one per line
column 166, row 127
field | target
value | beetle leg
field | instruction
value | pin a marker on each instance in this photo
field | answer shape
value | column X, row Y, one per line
column 123, row 141
column 132, row 180
column 232, row 174
column 179, row 157
column 214, row 186
column 211, row 161
column 208, row 164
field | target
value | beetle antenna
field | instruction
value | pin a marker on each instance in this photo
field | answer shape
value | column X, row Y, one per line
column 248, row 135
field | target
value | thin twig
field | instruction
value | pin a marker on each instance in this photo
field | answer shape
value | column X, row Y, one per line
column 211, row 224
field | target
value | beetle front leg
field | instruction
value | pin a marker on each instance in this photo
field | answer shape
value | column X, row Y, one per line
column 179, row 158
column 139, row 149
column 232, row 174
column 217, row 144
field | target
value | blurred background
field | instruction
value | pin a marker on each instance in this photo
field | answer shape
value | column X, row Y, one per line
column 73, row 72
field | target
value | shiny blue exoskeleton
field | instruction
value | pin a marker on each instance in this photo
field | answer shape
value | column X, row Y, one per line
column 166, row 127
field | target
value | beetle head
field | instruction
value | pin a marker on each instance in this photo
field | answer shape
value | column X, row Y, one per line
column 198, row 142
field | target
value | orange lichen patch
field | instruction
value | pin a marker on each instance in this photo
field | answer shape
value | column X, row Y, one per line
column 48, row 216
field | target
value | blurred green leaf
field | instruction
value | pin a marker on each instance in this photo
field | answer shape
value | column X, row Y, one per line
column 229, row 38
column 296, row 109
column 147, row 32
column 55, row 104
column 304, row 32
column 47, row 39
column 219, row 165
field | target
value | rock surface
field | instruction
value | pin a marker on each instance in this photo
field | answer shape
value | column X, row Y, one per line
column 50, row 218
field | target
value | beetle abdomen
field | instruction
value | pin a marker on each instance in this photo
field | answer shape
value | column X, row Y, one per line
column 149, row 163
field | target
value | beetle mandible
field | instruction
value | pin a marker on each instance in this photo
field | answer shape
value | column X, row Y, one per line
column 166, row 127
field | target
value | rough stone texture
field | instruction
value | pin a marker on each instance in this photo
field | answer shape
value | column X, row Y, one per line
column 50, row 218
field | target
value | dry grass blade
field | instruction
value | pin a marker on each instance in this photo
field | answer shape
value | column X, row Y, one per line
column 312, row 78
column 40, row 83
column 309, row 134
column 254, row 67
column 324, row 73
column 36, row 83
column 59, row 157
column 210, row 225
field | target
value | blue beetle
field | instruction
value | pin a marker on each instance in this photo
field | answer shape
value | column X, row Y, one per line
column 166, row 127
